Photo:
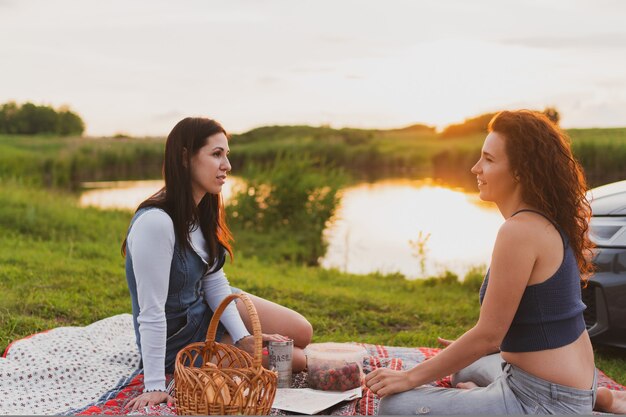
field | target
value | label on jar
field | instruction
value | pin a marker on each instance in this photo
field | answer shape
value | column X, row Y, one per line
column 280, row 358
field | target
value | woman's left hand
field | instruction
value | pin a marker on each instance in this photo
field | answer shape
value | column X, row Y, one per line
column 247, row 343
column 444, row 342
column 274, row 338
column 385, row 381
column 148, row 399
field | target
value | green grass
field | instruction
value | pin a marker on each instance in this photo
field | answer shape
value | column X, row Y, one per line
column 60, row 265
column 600, row 135
column 602, row 152
column 373, row 154
column 65, row 162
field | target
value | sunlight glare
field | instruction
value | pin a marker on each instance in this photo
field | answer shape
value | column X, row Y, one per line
column 377, row 238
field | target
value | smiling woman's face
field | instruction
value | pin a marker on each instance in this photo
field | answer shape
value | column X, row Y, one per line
column 210, row 166
column 495, row 180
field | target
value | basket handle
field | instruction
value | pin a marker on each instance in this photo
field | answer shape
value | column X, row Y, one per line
column 254, row 318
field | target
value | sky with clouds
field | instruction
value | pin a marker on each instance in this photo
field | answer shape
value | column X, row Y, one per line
column 138, row 66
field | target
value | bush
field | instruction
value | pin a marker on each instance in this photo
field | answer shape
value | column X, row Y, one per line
column 287, row 204
column 476, row 124
column 446, row 279
column 474, row 278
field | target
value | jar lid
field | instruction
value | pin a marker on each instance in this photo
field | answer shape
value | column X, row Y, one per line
column 333, row 350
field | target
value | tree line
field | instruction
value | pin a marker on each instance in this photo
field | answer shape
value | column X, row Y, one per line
column 31, row 119
column 478, row 124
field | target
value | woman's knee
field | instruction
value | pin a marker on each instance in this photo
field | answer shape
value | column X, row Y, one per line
column 482, row 372
column 302, row 333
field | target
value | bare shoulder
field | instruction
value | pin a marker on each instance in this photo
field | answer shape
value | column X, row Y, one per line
column 518, row 228
column 536, row 224
column 529, row 230
column 515, row 252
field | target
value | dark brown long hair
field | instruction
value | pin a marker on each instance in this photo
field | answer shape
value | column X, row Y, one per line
column 552, row 180
column 176, row 197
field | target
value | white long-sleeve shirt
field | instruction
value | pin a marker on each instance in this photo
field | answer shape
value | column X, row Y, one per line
column 151, row 244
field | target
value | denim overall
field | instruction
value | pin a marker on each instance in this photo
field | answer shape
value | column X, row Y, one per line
column 187, row 314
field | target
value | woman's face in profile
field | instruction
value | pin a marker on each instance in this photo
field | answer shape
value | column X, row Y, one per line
column 210, row 166
column 493, row 171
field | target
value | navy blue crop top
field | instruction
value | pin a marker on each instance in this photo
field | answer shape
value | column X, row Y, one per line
column 550, row 314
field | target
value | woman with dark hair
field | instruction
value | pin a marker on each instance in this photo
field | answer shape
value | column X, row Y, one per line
column 175, row 249
column 531, row 308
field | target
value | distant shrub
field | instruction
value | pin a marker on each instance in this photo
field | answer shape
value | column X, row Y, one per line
column 476, row 124
column 445, row 279
column 416, row 128
column 287, row 205
column 121, row 135
column 31, row 119
column 553, row 114
column 474, row 278
column 356, row 136
column 278, row 133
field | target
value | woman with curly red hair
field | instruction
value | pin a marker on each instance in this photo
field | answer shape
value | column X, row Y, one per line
column 531, row 308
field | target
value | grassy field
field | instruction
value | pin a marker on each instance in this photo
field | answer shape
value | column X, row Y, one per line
column 60, row 265
column 65, row 162
column 372, row 154
column 363, row 154
column 602, row 152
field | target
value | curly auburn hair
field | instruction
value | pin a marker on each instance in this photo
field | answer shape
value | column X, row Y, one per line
column 552, row 180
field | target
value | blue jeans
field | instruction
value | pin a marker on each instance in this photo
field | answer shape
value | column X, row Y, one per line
column 513, row 391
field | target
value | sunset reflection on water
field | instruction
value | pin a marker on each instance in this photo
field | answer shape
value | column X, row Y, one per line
column 375, row 223
column 127, row 195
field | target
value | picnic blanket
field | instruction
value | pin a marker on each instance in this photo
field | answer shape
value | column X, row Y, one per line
column 93, row 370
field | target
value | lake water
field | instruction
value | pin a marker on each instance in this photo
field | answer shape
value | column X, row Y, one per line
column 127, row 195
column 417, row 228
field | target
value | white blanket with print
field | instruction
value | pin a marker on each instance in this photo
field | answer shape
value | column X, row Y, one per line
column 67, row 368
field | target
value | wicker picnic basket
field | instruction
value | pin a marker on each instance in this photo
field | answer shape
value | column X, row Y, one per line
column 213, row 378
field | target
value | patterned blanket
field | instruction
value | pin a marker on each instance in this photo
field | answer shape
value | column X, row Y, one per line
column 93, row 370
